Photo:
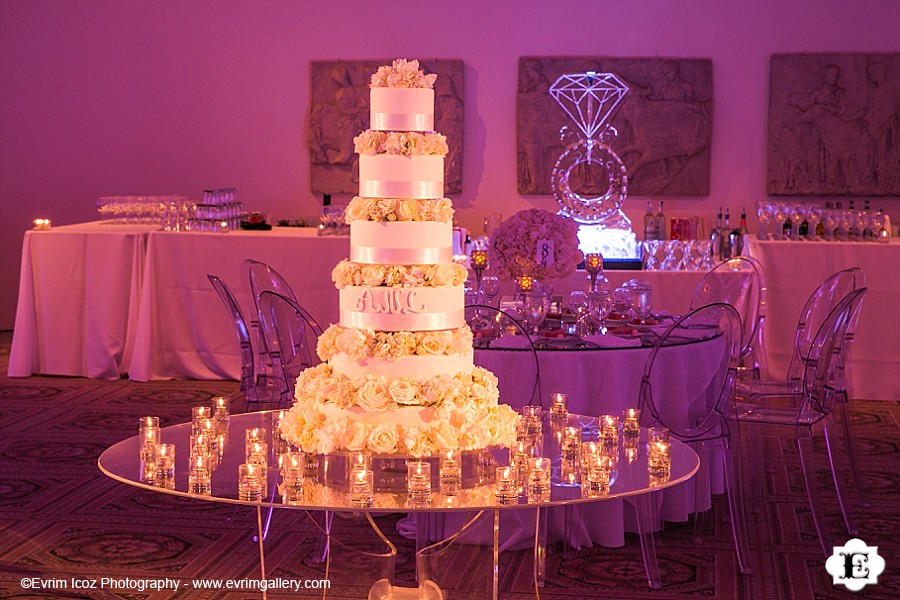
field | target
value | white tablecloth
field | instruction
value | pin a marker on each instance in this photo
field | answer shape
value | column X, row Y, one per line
column 183, row 330
column 794, row 269
column 78, row 300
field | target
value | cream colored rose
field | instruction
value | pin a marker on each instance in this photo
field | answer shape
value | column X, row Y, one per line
column 404, row 392
column 355, row 436
column 325, row 345
column 342, row 274
column 371, row 275
column 443, row 274
column 445, row 436
column 374, row 396
column 407, row 210
column 383, row 438
column 356, row 210
column 416, row 442
column 434, row 343
column 352, row 342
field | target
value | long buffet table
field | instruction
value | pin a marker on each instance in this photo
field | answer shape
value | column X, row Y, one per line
column 794, row 269
column 103, row 301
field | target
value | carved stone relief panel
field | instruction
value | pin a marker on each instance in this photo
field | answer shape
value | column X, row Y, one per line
column 339, row 111
column 663, row 126
column 834, row 125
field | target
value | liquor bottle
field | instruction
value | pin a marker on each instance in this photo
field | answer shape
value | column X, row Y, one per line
column 650, row 230
column 725, row 236
column 820, row 226
column 715, row 237
column 868, row 231
column 661, row 223
column 853, row 232
column 736, row 237
column 803, row 227
column 787, row 229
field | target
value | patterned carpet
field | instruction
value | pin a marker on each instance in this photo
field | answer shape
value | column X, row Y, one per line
column 61, row 518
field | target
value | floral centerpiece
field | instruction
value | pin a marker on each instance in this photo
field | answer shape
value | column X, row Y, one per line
column 537, row 244
column 402, row 74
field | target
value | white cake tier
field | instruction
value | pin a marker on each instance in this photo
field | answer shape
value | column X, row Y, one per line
column 405, row 243
column 396, row 176
column 401, row 109
column 409, row 367
column 402, row 309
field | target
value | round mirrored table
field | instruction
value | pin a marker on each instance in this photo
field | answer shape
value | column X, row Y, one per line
column 326, row 485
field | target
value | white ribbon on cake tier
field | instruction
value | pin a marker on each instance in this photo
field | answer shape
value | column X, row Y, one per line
column 369, row 188
column 392, row 322
column 404, row 256
column 401, row 121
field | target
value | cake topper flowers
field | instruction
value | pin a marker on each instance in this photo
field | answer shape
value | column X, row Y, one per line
column 402, row 74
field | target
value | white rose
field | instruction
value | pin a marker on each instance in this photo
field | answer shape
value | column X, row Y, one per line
column 432, row 344
column 355, row 437
column 342, row 274
column 443, row 274
column 383, row 438
column 372, row 275
column 351, row 342
column 403, row 391
column 373, row 396
column 445, row 437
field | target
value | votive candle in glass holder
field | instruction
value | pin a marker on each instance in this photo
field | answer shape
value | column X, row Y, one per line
column 361, row 459
column 531, row 420
column 292, row 477
column 519, row 454
column 631, row 418
column 257, row 452
column 506, row 486
column 596, row 477
column 362, row 487
column 418, row 480
column 609, row 430
column 256, row 434
column 201, row 445
column 559, row 406
column 41, row 224
column 570, row 455
column 250, row 482
column 538, row 486
column 221, row 413
column 450, row 472
column 149, row 434
column 198, row 413
column 657, row 434
column 164, row 460
column 199, row 476
column 292, row 463
column 658, row 459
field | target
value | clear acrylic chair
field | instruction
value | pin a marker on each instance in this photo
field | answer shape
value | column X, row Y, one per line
column 497, row 322
column 748, row 295
column 703, row 426
column 811, row 410
column 255, row 389
column 290, row 335
column 260, row 277
column 818, row 307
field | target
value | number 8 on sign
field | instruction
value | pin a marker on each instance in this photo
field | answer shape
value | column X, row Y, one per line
column 544, row 253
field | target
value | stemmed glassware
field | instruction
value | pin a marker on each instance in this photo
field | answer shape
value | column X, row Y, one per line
column 490, row 287
column 479, row 259
column 593, row 263
column 763, row 212
column 578, row 306
column 535, row 305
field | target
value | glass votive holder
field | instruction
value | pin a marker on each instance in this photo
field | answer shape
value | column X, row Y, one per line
column 41, row 224
column 531, row 419
column 221, row 414
column 199, row 476
column 595, row 479
column 631, row 449
column 450, row 467
column 418, row 480
column 256, row 434
column 506, row 486
column 658, row 459
column 292, row 463
column 362, row 487
column 292, row 480
column 257, row 453
column 538, row 480
column 609, row 428
column 631, row 418
column 250, row 482
column 361, row 459
column 164, row 460
column 657, row 434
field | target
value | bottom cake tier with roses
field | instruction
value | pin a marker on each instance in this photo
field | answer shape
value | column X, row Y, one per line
column 397, row 393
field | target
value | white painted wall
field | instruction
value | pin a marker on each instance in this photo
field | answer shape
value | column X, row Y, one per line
column 143, row 97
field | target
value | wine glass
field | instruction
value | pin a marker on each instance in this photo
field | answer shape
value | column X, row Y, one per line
column 479, row 264
column 490, row 287
column 764, row 214
column 578, row 306
column 535, row 305
column 599, row 306
column 814, row 214
column 780, row 212
column 641, row 303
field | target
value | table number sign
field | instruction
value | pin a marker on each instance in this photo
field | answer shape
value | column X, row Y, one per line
column 544, row 253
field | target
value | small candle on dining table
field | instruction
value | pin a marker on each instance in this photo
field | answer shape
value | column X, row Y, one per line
column 479, row 259
column 631, row 421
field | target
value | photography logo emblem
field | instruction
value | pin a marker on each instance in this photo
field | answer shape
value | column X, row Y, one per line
column 855, row 565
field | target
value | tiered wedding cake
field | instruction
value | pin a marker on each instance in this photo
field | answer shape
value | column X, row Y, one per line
column 398, row 376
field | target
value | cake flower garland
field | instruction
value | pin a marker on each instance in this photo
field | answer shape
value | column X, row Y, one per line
column 366, row 343
column 347, row 273
column 438, row 210
column 402, row 74
column 400, row 143
column 462, row 413
column 513, row 247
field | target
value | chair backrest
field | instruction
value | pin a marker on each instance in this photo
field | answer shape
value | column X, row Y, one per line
column 820, row 304
column 746, row 292
column 710, row 388
column 248, row 380
column 500, row 318
column 827, row 352
column 290, row 333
